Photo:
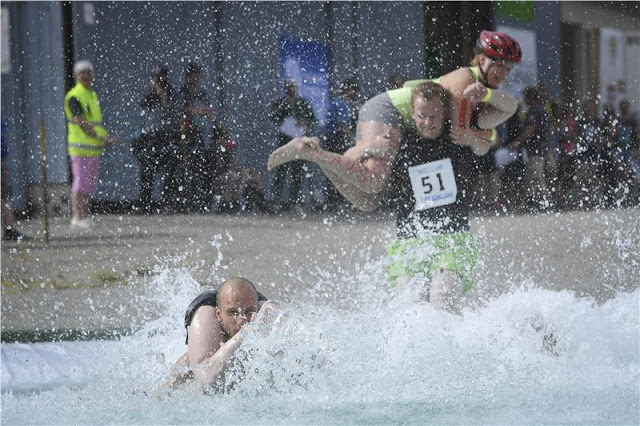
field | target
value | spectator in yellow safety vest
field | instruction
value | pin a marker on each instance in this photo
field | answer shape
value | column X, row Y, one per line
column 86, row 138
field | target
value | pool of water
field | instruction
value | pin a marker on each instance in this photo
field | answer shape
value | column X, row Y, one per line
column 347, row 353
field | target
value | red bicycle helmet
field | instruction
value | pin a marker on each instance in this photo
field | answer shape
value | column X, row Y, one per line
column 498, row 45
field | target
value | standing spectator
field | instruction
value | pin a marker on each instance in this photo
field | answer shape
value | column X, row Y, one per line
column 341, row 132
column 486, row 184
column 197, row 114
column 238, row 188
column 513, row 165
column 86, row 138
column 9, row 231
column 535, row 139
column 607, row 171
column 543, row 94
column 565, row 130
column 157, row 147
column 625, row 151
column 295, row 118
column 588, row 156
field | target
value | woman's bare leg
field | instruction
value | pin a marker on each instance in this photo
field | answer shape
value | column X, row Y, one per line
column 361, row 173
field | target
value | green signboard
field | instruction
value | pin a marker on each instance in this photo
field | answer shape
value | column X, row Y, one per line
column 516, row 10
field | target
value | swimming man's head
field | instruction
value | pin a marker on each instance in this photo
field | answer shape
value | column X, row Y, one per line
column 237, row 304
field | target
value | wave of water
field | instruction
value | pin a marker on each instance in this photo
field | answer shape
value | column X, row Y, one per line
column 348, row 353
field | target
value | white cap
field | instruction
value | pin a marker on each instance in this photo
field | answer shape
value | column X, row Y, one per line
column 81, row 66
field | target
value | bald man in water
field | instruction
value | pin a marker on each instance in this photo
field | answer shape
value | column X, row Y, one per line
column 213, row 321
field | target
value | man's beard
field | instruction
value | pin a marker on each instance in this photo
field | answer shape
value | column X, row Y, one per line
column 226, row 334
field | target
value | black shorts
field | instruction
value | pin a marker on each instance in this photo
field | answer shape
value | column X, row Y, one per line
column 207, row 298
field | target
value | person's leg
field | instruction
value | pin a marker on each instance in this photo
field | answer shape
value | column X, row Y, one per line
column 535, row 179
column 295, row 183
column 254, row 194
column 7, row 214
column 542, row 178
column 75, row 206
column 446, row 291
column 332, row 196
column 633, row 160
column 200, row 180
column 378, row 134
column 354, row 178
column 279, row 181
column 496, row 189
column 445, row 261
column 7, row 207
column 596, row 184
column 85, row 181
column 403, row 268
column 205, row 335
column 148, row 169
column 171, row 176
column 189, row 179
column 570, row 183
column 530, row 180
column 82, row 205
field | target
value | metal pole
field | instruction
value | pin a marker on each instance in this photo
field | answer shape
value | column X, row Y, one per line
column 45, row 191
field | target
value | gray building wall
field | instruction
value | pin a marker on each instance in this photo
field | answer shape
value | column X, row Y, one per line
column 128, row 38
column 126, row 41
column 546, row 25
column 33, row 90
column 391, row 39
column 238, row 45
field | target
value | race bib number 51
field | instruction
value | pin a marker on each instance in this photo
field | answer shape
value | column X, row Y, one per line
column 434, row 184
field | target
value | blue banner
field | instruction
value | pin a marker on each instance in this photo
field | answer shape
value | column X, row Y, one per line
column 307, row 63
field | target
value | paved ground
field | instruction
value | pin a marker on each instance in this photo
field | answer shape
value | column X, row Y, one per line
column 88, row 279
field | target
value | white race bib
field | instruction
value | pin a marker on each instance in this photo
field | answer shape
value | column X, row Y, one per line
column 434, row 184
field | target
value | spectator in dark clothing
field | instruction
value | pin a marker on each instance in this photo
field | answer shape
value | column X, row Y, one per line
column 197, row 113
column 535, row 139
column 485, row 185
column 295, row 118
column 609, row 178
column 564, row 130
column 238, row 188
column 625, row 154
column 157, row 146
column 9, row 231
column 340, row 133
column 589, row 155
column 512, row 180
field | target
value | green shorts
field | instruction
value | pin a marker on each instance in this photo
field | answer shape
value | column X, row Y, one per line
column 424, row 255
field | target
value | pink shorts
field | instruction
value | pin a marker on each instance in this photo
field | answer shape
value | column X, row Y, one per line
column 85, row 174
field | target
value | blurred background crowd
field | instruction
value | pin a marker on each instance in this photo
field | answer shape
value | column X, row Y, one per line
column 199, row 94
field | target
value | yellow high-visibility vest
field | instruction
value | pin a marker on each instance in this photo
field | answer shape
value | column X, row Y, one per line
column 80, row 144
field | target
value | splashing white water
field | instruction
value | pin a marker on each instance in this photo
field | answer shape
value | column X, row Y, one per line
column 529, row 356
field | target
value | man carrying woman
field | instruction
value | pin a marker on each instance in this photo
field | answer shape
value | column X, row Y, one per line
column 474, row 106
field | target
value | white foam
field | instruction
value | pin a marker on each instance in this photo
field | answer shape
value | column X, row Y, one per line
column 374, row 362
column 348, row 353
column 48, row 365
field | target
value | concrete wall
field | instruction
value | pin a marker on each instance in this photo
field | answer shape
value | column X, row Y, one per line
column 33, row 90
column 129, row 37
column 239, row 46
column 126, row 41
column 546, row 25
